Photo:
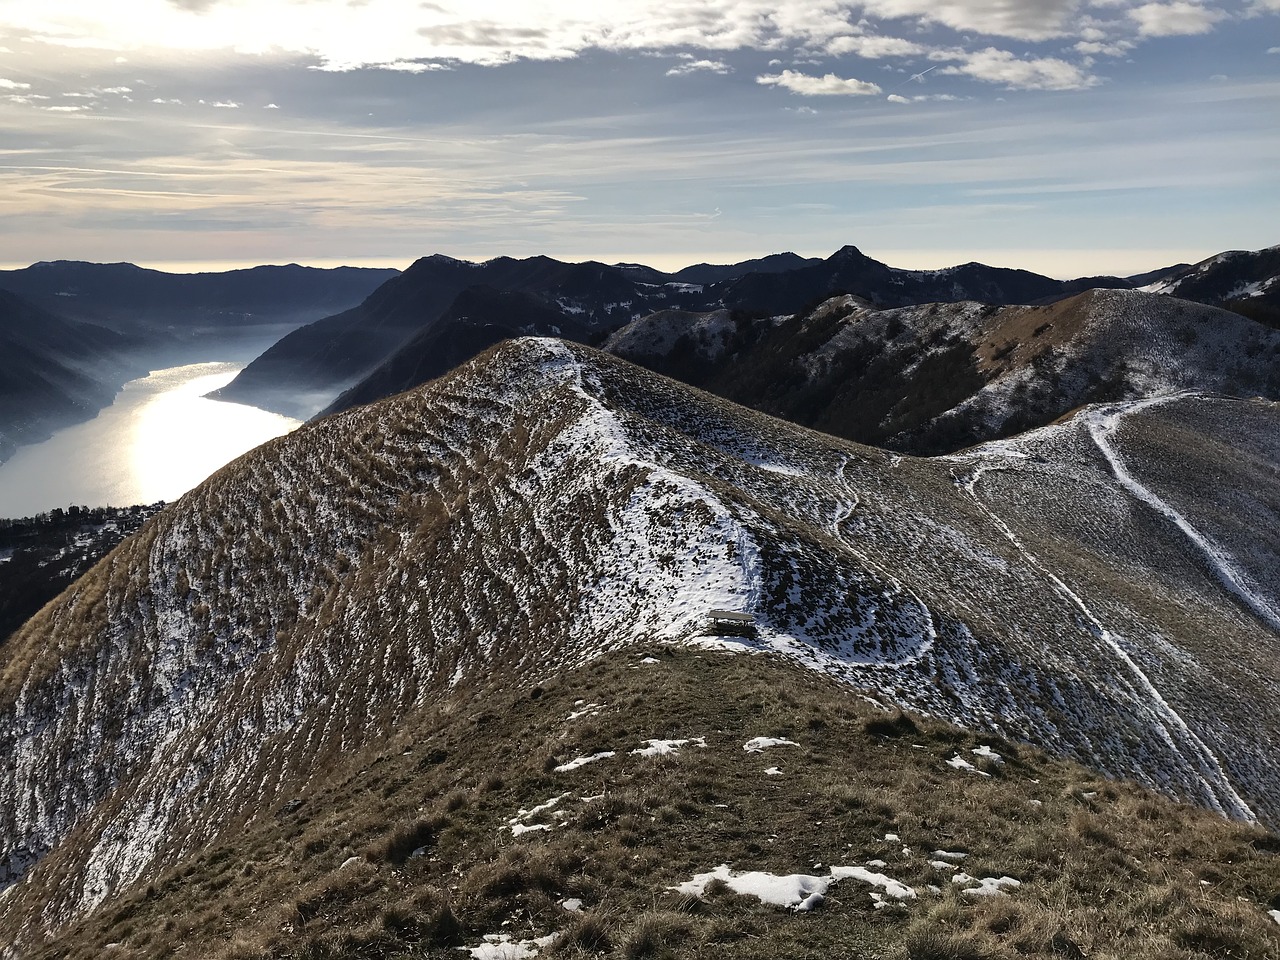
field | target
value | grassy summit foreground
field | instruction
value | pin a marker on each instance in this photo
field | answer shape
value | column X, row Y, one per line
column 563, row 817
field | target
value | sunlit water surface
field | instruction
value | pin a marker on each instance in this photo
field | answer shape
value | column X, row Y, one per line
column 158, row 439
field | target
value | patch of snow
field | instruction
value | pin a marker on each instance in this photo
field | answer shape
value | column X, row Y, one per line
column 756, row 744
column 518, row 828
column 585, row 709
column 781, row 891
column 798, row 891
column 986, row 752
column 960, row 763
column 773, row 772
column 573, row 905
column 583, row 761
column 892, row 888
column 500, row 946
column 1274, row 915
column 650, row 660
column 991, row 887
column 657, row 748
column 949, row 855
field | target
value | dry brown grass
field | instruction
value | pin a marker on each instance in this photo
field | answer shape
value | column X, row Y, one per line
column 398, row 853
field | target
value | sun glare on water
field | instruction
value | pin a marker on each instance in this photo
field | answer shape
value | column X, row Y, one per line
column 179, row 436
column 160, row 438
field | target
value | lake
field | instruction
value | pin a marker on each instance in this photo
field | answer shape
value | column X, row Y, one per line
column 158, row 439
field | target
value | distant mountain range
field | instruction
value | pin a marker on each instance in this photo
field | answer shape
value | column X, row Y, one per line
column 129, row 298
column 407, row 329
column 330, row 627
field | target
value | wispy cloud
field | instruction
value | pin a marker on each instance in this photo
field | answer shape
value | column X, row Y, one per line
column 699, row 66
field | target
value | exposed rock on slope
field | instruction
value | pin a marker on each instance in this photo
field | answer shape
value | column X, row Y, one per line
column 1077, row 588
column 939, row 377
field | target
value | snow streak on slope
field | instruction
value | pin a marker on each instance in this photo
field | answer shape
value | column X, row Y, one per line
column 1221, row 795
column 1103, row 423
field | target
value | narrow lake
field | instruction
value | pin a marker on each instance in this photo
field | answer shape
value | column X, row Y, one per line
column 158, row 439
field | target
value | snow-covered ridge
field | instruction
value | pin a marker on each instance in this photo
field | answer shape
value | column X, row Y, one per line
column 547, row 503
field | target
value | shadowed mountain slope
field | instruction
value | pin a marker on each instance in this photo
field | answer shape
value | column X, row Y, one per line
column 54, row 372
column 938, row 377
column 417, row 312
column 1247, row 282
column 476, row 320
column 1104, row 588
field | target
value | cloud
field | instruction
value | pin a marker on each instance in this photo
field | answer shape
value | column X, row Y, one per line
column 825, row 86
column 1022, row 19
column 699, row 66
column 1094, row 48
column 1001, row 66
column 1273, row 50
column 13, row 85
column 384, row 33
column 1176, row 19
column 896, row 98
column 872, row 47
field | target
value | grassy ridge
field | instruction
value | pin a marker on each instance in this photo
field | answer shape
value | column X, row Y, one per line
column 406, row 849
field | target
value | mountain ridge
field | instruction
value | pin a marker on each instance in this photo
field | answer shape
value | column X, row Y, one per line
column 547, row 503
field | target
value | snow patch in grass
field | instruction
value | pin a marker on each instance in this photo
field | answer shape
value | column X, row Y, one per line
column 986, row 887
column 756, row 744
column 657, row 748
column 585, row 709
column 798, row 891
column 500, row 946
column 518, row 828
column 519, row 823
column 960, row 763
column 583, row 761
column 986, row 752
column 773, row 772
column 892, row 888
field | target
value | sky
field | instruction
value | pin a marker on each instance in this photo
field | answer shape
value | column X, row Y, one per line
column 1071, row 137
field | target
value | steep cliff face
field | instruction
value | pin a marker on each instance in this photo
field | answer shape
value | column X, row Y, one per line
column 1103, row 587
